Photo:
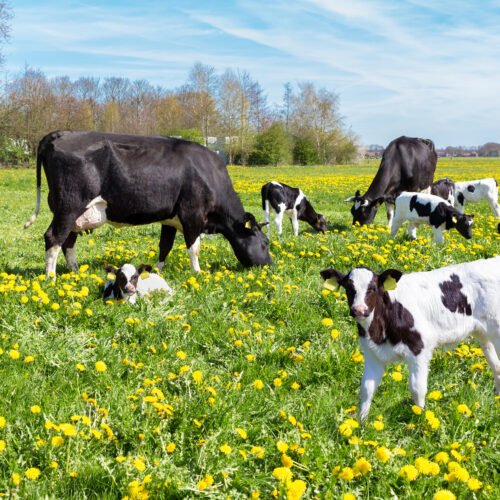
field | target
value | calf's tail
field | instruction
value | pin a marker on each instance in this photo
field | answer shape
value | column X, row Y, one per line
column 32, row 219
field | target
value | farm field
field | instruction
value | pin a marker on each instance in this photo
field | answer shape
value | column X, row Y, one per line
column 245, row 383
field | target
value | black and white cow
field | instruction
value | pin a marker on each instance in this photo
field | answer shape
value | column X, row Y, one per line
column 408, row 164
column 96, row 177
column 431, row 210
column 474, row 191
column 291, row 201
column 404, row 317
column 444, row 188
column 129, row 283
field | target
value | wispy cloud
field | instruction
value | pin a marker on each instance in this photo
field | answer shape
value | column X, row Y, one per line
column 414, row 66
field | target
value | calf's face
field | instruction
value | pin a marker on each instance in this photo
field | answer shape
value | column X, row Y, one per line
column 363, row 211
column 464, row 224
column 364, row 288
column 126, row 278
column 320, row 224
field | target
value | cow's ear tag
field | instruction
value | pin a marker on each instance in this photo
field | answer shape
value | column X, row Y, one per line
column 248, row 224
column 454, row 219
column 144, row 275
column 111, row 276
column 331, row 284
column 390, row 284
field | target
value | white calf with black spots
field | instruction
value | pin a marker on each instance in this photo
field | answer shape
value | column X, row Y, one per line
column 474, row 191
column 404, row 317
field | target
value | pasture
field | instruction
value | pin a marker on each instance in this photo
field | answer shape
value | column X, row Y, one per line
column 245, row 383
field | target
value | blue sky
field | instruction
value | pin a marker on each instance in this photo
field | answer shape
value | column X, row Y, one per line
column 428, row 68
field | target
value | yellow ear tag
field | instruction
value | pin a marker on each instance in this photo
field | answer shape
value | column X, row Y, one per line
column 111, row 276
column 248, row 224
column 331, row 284
column 390, row 284
column 144, row 275
column 454, row 219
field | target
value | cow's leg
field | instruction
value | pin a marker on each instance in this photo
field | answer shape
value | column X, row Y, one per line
column 438, row 234
column 167, row 238
column 267, row 216
column 495, row 207
column 194, row 252
column 419, row 371
column 372, row 375
column 412, row 230
column 491, row 356
column 395, row 225
column 389, row 208
column 55, row 236
column 295, row 222
column 69, row 251
column 278, row 219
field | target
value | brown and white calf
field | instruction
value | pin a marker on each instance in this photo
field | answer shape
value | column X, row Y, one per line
column 404, row 317
column 130, row 283
column 482, row 189
column 422, row 208
column 291, row 201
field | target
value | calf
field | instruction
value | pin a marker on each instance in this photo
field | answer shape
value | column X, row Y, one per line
column 483, row 189
column 404, row 317
column 444, row 188
column 130, row 282
column 292, row 201
column 421, row 208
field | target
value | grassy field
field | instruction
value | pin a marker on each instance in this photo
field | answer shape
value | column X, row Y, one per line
column 245, row 384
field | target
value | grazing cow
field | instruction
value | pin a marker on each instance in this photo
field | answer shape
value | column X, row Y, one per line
column 292, row 201
column 422, row 208
column 444, row 188
column 483, row 189
column 129, row 283
column 408, row 164
column 96, row 177
column 425, row 310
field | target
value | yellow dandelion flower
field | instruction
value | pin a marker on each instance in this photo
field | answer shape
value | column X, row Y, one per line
column 347, row 474
column 3, row 422
column 417, row 410
column 32, row 473
column 282, row 474
column 296, row 489
column 435, row 395
column 408, row 472
column 474, row 484
column 286, row 461
column 241, row 432
column 100, row 366
column 258, row 384
column 35, row 409
column 444, row 495
column 226, row 449
column 383, row 454
column 379, row 426
column 16, row 479
column 327, row 322
column 14, row 354
column 170, row 448
column 282, row 446
column 57, row 441
column 362, row 466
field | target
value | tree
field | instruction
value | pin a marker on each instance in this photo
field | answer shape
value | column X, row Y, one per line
column 272, row 146
column 5, row 17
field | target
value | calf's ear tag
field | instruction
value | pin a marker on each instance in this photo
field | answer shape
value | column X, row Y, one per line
column 390, row 284
column 144, row 275
column 248, row 224
column 331, row 284
column 111, row 276
column 454, row 219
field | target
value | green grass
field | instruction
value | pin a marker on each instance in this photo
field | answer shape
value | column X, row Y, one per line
column 184, row 372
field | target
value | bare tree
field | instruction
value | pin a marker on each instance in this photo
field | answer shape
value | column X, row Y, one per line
column 5, row 17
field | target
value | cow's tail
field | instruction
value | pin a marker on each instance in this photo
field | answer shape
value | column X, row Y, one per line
column 32, row 219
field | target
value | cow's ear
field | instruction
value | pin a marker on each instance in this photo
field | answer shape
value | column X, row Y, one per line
column 333, row 278
column 388, row 279
column 262, row 224
column 351, row 198
column 378, row 201
column 249, row 220
column 144, row 268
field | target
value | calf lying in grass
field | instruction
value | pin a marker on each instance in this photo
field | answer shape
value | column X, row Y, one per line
column 128, row 283
column 404, row 317
column 422, row 208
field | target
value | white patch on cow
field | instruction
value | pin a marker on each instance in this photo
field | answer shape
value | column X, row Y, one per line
column 70, row 255
column 389, row 208
column 357, row 204
column 275, row 183
column 194, row 252
column 299, row 199
column 484, row 189
column 278, row 218
column 51, row 260
column 93, row 217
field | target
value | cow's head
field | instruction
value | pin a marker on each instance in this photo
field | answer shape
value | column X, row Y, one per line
column 250, row 244
column 461, row 222
column 126, row 277
column 363, row 211
column 320, row 224
column 364, row 288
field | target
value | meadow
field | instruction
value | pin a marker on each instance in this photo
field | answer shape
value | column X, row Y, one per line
column 243, row 385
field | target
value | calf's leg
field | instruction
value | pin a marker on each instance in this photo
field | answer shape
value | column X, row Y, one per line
column 267, row 217
column 372, row 375
column 419, row 371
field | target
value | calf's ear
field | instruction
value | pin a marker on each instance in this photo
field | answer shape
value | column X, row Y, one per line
column 111, row 269
column 388, row 279
column 333, row 279
column 144, row 268
column 262, row 224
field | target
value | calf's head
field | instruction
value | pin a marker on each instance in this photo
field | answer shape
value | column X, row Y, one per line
column 320, row 224
column 126, row 278
column 363, row 211
column 462, row 223
column 364, row 288
column 250, row 244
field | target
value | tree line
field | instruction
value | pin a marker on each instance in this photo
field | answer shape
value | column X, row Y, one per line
column 227, row 112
